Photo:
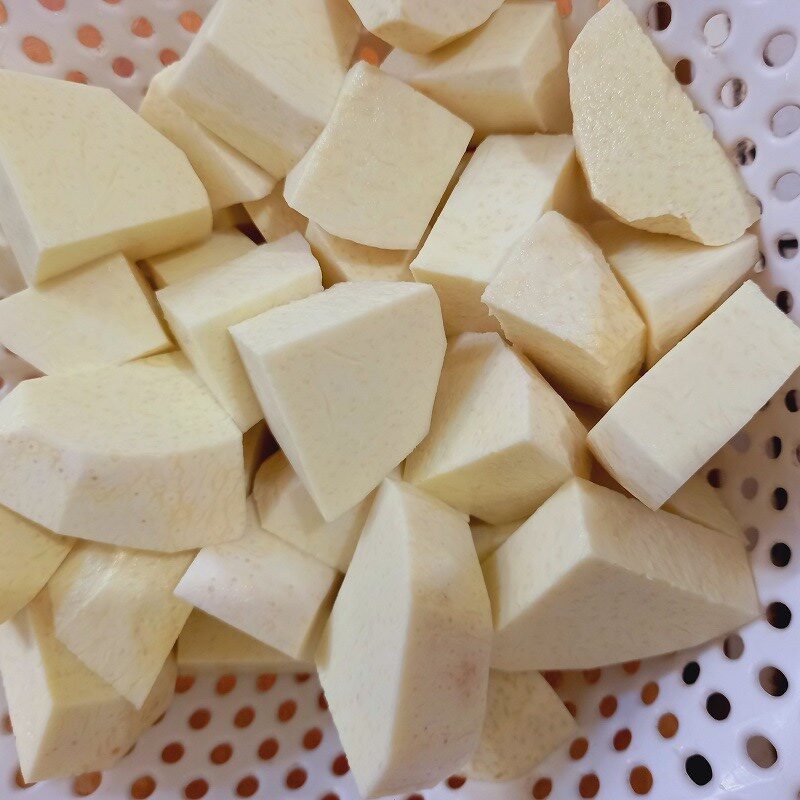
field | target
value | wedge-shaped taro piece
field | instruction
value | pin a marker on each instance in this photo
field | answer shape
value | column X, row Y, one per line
column 95, row 316
column 407, row 646
column 219, row 248
column 31, row 555
column 66, row 719
column 595, row 578
column 377, row 172
column 488, row 538
column 675, row 417
column 200, row 309
column 264, row 75
column 625, row 101
column 138, row 455
column 675, row 284
column 422, row 25
column 274, row 217
column 525, row 722
column 228, row 176
column 286, row 510
column 508, row 76
column 11, row 279
column 208, row 645
column 342, row 260
column 111, row 182
column 558, row 301
column 331, row 369
column 507, row 185
column 264, row 587
column 501, row 440
column 114, row 609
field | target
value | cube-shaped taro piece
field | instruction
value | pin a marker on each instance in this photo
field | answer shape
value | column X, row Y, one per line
column 676, row 416
column 219, row 248
column 342, row 260
column 229, row 177
column 674, row 283
column 95, row 316
column 595, row 578
column 625, row 100
column 115, row 611
column 422, row 25
column 111, row 182
column 264, row 74
column 286, row 510
column 525, row 722
column 558, row 301
column 208, row 645
column 258, row 444
column 487, row 538
column 265, row 588
column 274, row 217
column 406, row 649
column 200, row 309
column 11, row 279
column 508, row 76
column 31, row 555
column 331, row 369
column 138, row 455
column 66, row 719
column 507, row 185
column 697, row 501
column 501, row 440
column 377, row 172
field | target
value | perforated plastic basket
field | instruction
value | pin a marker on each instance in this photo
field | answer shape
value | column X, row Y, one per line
column 721, row 721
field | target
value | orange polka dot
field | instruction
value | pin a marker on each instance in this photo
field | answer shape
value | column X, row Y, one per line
column 591, row 676
column 86, row 784
column 142, row 27
column 190, row 21
column 572, row 708
column 641, row 780
column 296, row 778
column 123, row 67
column 286, row 710
column 631, row 667
column 221, row 753
column 456, row 781
column 312, row 738
column 340, row 766
column 608, row 706
column 199, row 718
column 589, row 786
column 302, row 677
column 542, row 789
column 247, row 786
column 334, row 796
column 554, row 677
column 323, row 703
column 668, row 725
column 195, row 789
column 649, row 693
column 183, row 683
column 143, row 787
column 622, row 740
column 578, row 748
column 53, row 5
column 168, row 56
column 3, row 13
column 226, row 684
column 268, row 749
column 76, row 76
column 172, row 753
column 244, row 717
column 265, row 682
column 37, row 50
column 89, row 36
column 112, row 2
column 7, row 724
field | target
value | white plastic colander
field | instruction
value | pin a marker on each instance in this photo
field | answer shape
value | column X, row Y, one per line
column 722, row 721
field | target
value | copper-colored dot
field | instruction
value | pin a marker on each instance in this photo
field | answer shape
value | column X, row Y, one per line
column 221, row 753
column 296, row 778
column 668, row 725
column 622, row 740
column 112, row 2
column 195, row 789
column 247, row 786
column 268, row 749
column 591, row 675
column 571, row 707
column 578, row 748
column 190, row 21
column 143, row 787
column 53, row 5
column 456, row 781
column 608, row 706
column 265, row 682
column 244, row 716
column 415, row 797
column 589, row 785
column 76, row 76
column 312, row 738
column 168, row 56
column 142, row 27
column 649, row 693
column 123, row 67
column 20, row 781
column 323, row 703
column 340, row 765
column 89, row 36
column 86, row 784
column 286, row 710
column 302, row 677
column 631, row 667
column 172, row 753
column 641, row 780
column 542, row 789
column 554, row 677
column 3, row 13
column 183, row 683
column 37, row 50
column 226, row 684
column 334, row 796
column 7, row 724
column 199, row 718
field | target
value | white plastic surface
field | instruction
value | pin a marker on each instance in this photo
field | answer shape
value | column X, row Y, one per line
column 620, row 751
